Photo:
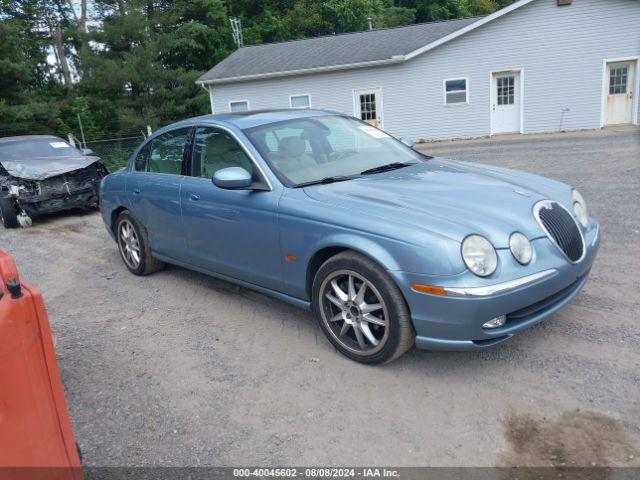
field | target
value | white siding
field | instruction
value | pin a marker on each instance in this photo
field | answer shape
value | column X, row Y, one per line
column 560, row 49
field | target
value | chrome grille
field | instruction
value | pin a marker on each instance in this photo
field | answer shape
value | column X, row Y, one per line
column 561, row 229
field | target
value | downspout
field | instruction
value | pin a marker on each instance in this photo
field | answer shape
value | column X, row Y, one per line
column 208, row 89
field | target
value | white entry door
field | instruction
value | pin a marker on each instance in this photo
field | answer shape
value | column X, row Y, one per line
column 505, row 102
column 367, row 105
column 619, row 104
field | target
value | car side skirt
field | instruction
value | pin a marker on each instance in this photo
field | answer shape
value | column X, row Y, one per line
column 298, row 302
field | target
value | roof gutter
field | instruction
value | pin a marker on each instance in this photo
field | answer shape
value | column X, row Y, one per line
column 303, row 71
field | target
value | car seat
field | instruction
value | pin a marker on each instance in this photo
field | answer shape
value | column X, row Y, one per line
column 222, row 152
column 292, row 155
column 166, row 158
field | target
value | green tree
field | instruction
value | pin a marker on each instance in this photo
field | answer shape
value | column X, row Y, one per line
column 149, row 55
column 309, row 18
column 28, row 87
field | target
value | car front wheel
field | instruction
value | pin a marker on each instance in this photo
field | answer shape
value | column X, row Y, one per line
column 133, row 243
column 361, row 310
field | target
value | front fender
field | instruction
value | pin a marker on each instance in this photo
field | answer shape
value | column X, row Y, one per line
column 307, row 227
column 304, row 239
column 366, row 246
column 438, row 255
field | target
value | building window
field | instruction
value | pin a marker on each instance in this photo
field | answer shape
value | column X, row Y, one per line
column 300, row 101
column 239, row 106
column 456, row 91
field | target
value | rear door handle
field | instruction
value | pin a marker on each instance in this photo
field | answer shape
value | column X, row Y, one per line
column 195, row 197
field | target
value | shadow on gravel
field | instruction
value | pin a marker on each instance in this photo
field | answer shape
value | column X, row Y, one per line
column 51, row 223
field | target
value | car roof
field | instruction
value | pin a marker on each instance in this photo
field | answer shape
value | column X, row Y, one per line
column 252, row 118
column 28, row 137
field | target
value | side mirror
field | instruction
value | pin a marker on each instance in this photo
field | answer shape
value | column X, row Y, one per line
column 232, row 178
column 86, row 151
column 407, row 141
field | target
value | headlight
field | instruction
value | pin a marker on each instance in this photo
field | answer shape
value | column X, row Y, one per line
column 479, row 255
column 520, row 248
column 580, row 209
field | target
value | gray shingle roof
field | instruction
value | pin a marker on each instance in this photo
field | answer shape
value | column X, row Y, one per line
column 332, row 51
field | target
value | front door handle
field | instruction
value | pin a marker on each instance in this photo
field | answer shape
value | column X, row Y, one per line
column 195, row 197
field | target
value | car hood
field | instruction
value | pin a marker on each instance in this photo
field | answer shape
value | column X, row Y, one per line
column 47, row 167
column 449, row 198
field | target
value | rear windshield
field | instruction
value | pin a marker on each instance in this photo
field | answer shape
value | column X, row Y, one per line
column 36, row 148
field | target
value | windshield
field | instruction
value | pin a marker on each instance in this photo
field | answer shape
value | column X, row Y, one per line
column 328, row 148
column 36, row 148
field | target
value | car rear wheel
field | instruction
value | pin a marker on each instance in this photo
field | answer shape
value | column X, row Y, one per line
column 361, row 310
column 8, row 213
column 133, row 243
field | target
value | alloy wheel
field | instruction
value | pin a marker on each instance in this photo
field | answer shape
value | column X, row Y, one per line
column 129, row 244
column 354, row 312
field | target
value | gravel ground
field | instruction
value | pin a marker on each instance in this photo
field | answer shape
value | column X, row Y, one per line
column 182, row 369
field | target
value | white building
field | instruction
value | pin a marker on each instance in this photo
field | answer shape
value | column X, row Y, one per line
column 535, row 66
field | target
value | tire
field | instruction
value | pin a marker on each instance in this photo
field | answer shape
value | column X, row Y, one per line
column 135, row 239
column 378, row 313
column 9, row 213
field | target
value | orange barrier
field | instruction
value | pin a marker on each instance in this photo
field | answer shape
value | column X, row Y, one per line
column 36, row 437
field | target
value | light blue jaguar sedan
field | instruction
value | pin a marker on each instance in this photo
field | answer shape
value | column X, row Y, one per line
column 388, row 247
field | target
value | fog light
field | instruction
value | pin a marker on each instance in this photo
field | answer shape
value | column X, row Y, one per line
column 495, row 322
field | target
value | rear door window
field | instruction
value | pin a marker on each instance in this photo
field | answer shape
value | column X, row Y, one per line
column 141, row 162
column 168, row 152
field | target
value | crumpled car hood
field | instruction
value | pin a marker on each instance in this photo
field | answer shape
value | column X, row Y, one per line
column 43, row 168
column 450, row 198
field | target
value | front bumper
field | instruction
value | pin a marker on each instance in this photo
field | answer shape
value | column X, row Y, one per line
column 454, row 322
column 75, row 189
column 83, row 198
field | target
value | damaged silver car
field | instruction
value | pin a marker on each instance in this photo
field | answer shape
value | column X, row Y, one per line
column 41, row 174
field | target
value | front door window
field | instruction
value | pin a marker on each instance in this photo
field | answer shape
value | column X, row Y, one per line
column 214, row 150
column 368, row 107
column 618, row 80
column 505, row 90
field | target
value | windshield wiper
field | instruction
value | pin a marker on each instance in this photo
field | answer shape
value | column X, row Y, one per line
column 325, row 181
column 386, row 168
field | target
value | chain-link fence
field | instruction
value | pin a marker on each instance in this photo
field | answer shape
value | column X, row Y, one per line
column 114, row 152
